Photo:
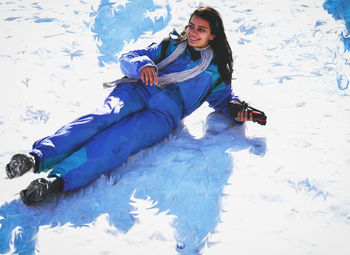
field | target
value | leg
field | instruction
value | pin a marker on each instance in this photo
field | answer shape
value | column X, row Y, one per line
column 103, row 153
column 109, row 149
column 123, row 101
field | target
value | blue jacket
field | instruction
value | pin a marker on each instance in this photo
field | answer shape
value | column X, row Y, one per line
column 134, row 117
column 193, row 91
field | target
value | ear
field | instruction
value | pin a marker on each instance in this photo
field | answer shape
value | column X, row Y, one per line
column 211, row 37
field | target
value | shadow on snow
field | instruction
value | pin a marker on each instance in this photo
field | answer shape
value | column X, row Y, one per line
column 185, row 176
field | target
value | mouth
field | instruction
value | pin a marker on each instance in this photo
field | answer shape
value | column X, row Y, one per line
column 192, row 39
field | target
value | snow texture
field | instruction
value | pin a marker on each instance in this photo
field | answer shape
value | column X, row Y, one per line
column 211, row 187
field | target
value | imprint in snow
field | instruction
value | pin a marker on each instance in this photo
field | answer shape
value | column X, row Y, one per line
column 309, row 188
column 282, row 78
column 37, row 6
column 242, row 41
column 115, row 23
column 12, row 18
column 74, row 54
column 343, row 82
column 44, row 20
column 346, row 41
column 35, row 116
column 258, row 146
column 319, row 23
column 26, row 82
column 246, row 29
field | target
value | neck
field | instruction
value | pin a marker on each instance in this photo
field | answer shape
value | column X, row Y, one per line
column 201, row 49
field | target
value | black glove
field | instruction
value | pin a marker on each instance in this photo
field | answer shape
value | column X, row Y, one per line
column 234, row 107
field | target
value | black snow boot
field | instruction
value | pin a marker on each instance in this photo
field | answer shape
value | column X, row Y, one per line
column 19, row 165
column 40, row 189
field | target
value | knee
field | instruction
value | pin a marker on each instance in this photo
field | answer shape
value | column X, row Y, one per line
column 113, row 105
column 127, row 100
column 167, row 110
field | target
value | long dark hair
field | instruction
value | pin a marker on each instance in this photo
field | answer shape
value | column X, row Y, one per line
column 219, row 44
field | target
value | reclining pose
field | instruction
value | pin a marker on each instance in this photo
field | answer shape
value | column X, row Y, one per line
column 164, row 83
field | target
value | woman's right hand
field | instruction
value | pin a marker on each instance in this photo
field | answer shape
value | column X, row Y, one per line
column 149, row 75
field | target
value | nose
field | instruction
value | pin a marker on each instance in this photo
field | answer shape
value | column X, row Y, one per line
column 193, row 32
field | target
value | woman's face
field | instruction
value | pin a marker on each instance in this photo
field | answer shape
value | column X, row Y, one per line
column 198, row 32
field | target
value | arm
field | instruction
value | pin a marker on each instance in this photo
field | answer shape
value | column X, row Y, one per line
column 219, row 99
column 131, row 63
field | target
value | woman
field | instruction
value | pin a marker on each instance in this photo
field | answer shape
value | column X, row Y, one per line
column 141, row 110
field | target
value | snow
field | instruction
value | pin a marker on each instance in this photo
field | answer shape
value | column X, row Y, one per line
column 210, row 188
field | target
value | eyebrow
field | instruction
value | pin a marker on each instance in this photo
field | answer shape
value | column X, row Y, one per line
column 198, row 26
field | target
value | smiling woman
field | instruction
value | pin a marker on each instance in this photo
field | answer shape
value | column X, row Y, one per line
column 208, row 188
column 206, row 27
column 138, row 113
column 198, row 32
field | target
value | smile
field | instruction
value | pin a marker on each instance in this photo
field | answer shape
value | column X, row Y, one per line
column 192, row 39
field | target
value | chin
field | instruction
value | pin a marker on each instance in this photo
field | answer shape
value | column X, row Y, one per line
column 190, row 43
column 193, row 44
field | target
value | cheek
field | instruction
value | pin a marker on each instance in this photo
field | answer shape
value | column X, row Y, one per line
column 206, row 38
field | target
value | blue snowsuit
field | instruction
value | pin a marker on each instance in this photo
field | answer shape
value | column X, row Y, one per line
column 133, row 117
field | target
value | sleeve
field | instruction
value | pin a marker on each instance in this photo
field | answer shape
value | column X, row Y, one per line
column 219, row 97
column 132, row 62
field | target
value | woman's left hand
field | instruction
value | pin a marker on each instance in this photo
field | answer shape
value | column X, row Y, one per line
column 243, row 116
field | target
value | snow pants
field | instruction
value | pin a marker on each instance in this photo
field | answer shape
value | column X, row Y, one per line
column 133, row 117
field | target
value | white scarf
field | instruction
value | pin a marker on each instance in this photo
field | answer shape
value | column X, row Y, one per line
column 171, row 78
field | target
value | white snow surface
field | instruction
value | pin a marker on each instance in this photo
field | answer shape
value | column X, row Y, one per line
column 211, row 187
